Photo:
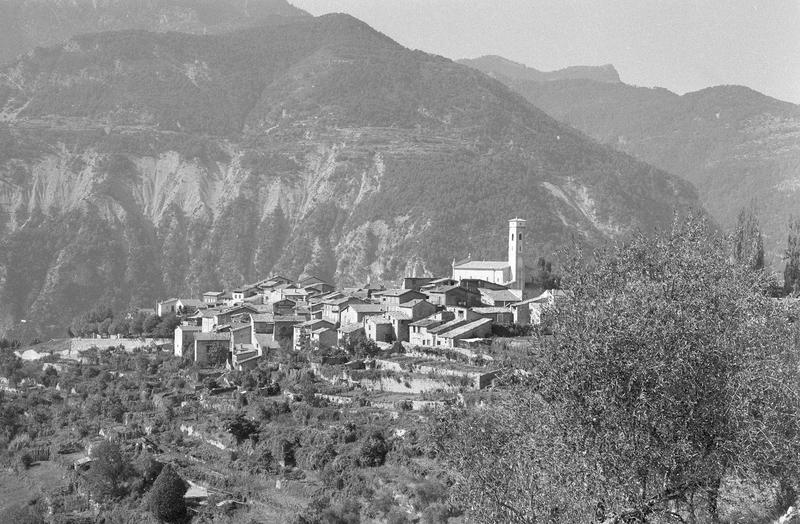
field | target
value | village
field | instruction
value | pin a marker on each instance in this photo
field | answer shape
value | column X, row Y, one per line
column 424, row 319
column 259, row 380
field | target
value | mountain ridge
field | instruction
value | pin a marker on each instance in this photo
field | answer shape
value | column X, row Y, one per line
column 137, row 165
column 498, row 65
column 27, row 24
column 739, row 147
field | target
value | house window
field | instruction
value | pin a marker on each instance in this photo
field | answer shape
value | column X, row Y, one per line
column 519, row 236
column 512, row 236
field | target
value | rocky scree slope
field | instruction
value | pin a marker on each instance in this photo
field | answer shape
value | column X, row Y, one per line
column 136, row 165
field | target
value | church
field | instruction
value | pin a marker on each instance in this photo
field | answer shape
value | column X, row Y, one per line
column 510, row 273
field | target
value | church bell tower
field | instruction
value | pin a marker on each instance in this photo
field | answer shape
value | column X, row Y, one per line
column 516, row 229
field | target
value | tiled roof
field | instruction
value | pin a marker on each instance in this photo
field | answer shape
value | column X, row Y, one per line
column 231, row 309
column 209, row 337
column 398, row 315
column 413, row 302
column 444, row 289
column 398, row 292
column 427, row 322
column 313, row 322
column 367, row 308
column 210, row 313
column 501, row 295
column 466, row 328
column 350, row 328
column 483, row 264
column 447, row 326
column 490, row 310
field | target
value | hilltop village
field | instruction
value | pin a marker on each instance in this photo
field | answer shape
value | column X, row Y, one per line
column 460, row 312
column 278, row 401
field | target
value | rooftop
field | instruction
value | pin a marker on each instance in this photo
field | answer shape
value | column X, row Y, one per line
column 397, row 292
column 210, row 337
column 350, row 328
column 483, row 264
column 466, row 328
column 314, row 322
column 413, row 302
column 490, row 310
column 367, row 308
column 500, row 295
column 427, row 322
column 443, row 328
column 445, row 289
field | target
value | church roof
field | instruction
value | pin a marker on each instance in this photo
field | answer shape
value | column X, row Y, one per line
column 483, row 264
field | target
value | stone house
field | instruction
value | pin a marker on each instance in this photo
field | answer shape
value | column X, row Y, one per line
column 332, row 308
column 453, row 295
column 449, row 338
column 379, row 329
column 392, row 298
column 500, row 297
column 184, row 339
column 212, row 297
column 499, row 315
column 356, row 313
column 311, row 331
column 204, row 341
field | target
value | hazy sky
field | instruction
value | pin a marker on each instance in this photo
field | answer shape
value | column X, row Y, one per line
column 681, row 45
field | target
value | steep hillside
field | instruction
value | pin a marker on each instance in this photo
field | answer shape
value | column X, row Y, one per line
column 497, row 66
column 734, row 144
column 26, row 24
column 136, row 165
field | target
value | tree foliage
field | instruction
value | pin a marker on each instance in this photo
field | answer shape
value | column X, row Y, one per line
column 241, row 428
column 110, row 468
column 791, row 273
column 670, row 369
column 166, row 496
column 748, row 244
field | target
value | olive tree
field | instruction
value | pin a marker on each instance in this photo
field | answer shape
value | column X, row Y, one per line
column 668, row 371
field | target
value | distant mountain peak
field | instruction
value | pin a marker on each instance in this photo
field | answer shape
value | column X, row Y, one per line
column 498, row 66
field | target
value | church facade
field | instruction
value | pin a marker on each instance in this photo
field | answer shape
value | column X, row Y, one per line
column 510, row 272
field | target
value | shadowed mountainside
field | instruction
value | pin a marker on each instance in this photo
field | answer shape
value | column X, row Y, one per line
column 737, row 146
column 138, row 165
column 27, row 24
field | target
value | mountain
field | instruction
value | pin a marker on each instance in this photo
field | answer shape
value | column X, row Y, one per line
column 499, row 67
column 737, row 146
column 26, row 24
column 136, row 165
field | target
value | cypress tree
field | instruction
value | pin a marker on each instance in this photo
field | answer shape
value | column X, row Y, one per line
column 166, row 496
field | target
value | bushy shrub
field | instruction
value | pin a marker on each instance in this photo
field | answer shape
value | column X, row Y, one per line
column 166, row 496
column 373, row 450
